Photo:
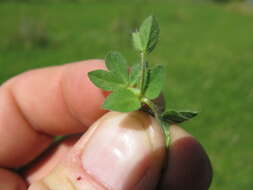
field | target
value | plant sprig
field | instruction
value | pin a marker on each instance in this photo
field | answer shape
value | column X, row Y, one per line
column 133, row 88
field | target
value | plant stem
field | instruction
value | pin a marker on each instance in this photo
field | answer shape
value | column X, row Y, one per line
column 155, row 110
column 149, row 103
column 143, row 73
column 153, row 107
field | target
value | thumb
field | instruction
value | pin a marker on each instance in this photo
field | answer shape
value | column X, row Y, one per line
column 121, row 151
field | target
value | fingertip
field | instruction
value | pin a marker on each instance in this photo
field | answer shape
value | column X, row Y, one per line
column 177, row 133
column 59, row 100
column 11, row 181
column 41, row 103
column 49, row 159
column 119, row 151
column 83, row 98
column 188, row 164
column 125, row 139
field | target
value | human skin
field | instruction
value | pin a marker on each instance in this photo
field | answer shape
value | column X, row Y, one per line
column 118, row 151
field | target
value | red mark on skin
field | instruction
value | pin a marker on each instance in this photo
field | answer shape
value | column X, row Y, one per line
column 106, row 93
column 78, row 178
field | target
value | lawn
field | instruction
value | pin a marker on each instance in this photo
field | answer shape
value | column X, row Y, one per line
column 207, row 47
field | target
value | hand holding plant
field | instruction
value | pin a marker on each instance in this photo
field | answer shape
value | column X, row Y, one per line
column 117, row 151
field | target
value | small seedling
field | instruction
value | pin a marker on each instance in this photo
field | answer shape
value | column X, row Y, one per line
column 137, row 87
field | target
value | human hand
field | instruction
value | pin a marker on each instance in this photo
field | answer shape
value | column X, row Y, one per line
column 119, row 152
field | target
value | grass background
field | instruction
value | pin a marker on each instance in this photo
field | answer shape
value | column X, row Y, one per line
column 207, row 47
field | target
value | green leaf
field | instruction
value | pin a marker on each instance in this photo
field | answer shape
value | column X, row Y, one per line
column 105, row 80
column 135, row 75
column 137, row 41
column 174, row 117
column 122, row 100
column 147, row 37
column 117, row 64
column 149, row 34
column 156, row 80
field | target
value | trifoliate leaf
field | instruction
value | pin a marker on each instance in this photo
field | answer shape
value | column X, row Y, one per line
column 156, row 80
column 135, row 75
column 117, row 64
column 105, row 80
column 122, row 100
column 149, row 34
column 174, row 117
column 137, row 42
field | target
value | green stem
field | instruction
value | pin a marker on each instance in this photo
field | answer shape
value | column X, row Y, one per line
column 155, row 110
column 153, row 107
column 149, row 103
column 143, row 72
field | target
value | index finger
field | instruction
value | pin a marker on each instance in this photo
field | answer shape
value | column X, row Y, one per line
column 45, row 102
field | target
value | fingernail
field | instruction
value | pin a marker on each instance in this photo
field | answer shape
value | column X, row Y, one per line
column 123, row 150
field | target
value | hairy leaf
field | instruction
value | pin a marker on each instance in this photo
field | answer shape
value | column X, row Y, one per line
column 149, row 34
column 105, row 80
column 174, row 117
column 122, row 100
column 137, row 41
column 117, row 64
column 135, row 75
column 155, row 83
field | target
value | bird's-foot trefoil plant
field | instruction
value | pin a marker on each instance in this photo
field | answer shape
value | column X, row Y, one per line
column 137, row 87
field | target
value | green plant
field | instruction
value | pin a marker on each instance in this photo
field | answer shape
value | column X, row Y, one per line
column 138, row 87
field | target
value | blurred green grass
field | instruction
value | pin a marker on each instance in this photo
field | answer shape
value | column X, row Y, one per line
column 208, row 49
